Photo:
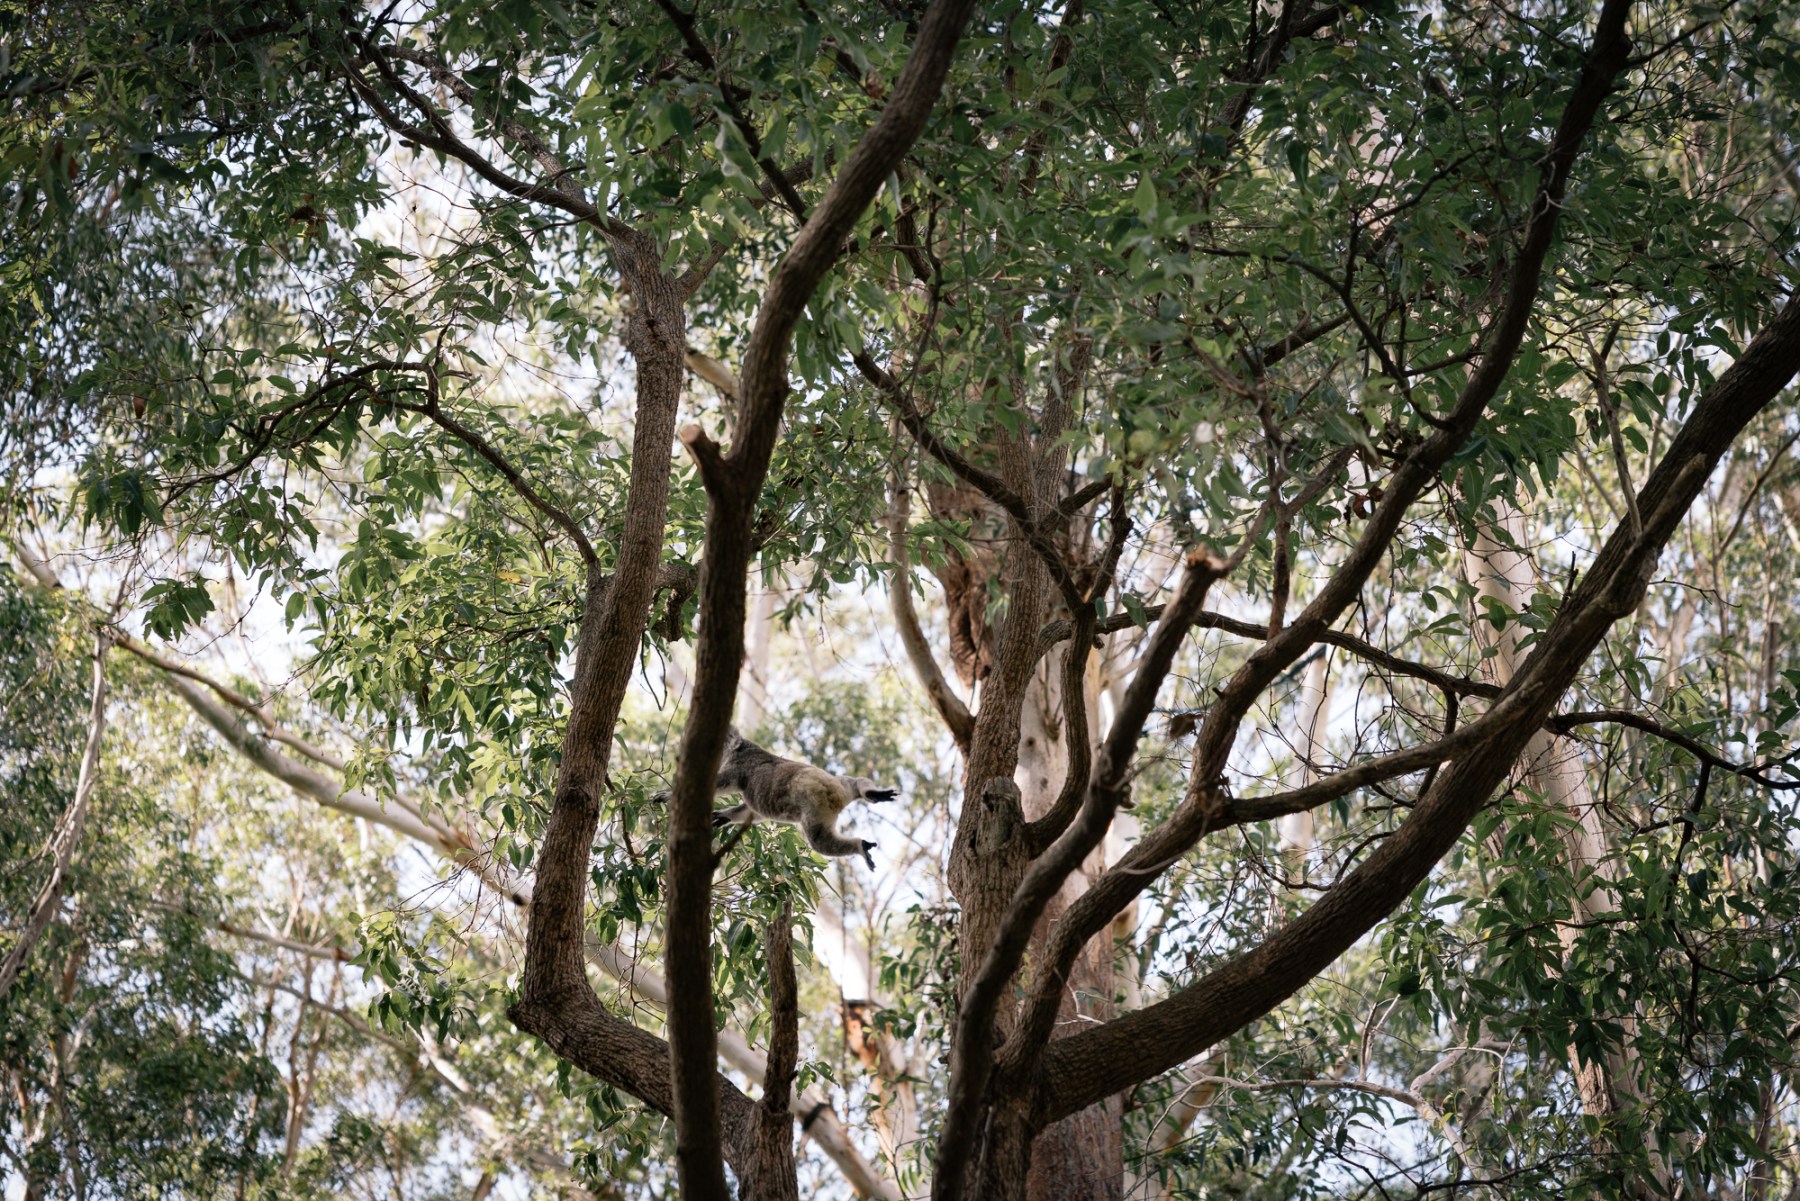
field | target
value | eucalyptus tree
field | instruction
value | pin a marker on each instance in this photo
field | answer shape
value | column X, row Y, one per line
column 1316, row 308
column 102, row 1002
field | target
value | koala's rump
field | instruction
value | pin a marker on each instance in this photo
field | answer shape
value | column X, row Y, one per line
column 808, row 792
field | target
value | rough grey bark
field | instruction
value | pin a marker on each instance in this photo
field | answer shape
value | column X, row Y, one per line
column 733, row 482
column 556, row 1002
column 771, row 1176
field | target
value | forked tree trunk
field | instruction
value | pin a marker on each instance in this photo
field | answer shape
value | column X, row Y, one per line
column 1080, row 1158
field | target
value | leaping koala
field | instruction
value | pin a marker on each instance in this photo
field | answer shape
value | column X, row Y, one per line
column 785, row 790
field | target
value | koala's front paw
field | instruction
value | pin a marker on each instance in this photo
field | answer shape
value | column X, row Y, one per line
column 880, row 794
column 868, row 858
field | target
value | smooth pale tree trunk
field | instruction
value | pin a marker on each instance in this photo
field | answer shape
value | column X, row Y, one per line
column 753, row 692
column 1672, row 639
column 1501, row 571
column 67, row 834
column 846, row 957
column 1296, row 832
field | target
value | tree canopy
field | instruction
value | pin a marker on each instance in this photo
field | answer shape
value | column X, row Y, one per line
column 1301, row 498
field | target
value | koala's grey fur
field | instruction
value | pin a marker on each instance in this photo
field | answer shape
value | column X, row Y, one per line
column 785, row 790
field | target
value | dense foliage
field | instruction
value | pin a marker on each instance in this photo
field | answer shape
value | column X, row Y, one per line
column 332, row 338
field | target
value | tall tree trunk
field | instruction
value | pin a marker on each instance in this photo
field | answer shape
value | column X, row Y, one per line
column 67, row 834
column 1502, row 572
column 1295, row 832
column 759, row 632
column 886, row 1057
column 771, row 1176
column 1082, row 1157
column 1017, row 765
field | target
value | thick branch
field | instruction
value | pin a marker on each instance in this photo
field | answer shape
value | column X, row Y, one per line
column 1056, row 631
column 943, row 698
column 1107, row 792
column 772, row 1178
column 1048, row 828
column 1203, row 806
column 1091, row 1065
column 971, row 1056
column 731, row 497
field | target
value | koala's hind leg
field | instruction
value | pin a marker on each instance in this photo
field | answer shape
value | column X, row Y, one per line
column 736, row 813
column 823, row 837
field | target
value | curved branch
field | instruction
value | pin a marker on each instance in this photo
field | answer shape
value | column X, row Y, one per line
column 1056, row 631
column 985, row 482
column 561, row 178
column 1106, row 793
column 943, row 698
column 236, row 700
column 971, row 1057
column 519, row 484
column 559, row 192
column 1245, row 810
column 1040, row 834
column 1500, row 345
column 729, row 94
column 1565, row 722
column 1087, row 1066
column 403, row 817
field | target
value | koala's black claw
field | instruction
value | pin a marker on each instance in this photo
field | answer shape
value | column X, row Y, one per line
column 868, row 858
column 719, row 818
column 881, row 794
